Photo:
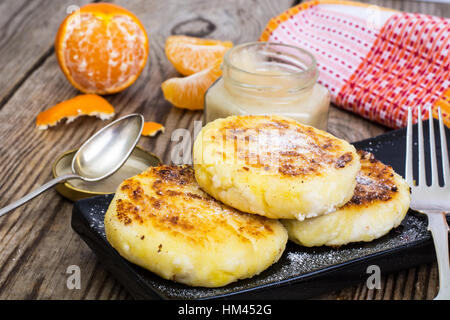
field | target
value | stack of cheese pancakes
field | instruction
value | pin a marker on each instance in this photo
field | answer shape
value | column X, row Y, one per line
column 257, row 181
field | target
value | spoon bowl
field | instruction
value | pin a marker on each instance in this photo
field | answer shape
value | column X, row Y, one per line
column 108, row 149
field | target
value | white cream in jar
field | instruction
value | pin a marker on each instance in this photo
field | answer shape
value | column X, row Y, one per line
column 269, row 78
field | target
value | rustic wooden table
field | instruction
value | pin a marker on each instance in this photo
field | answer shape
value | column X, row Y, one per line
column 37, row 243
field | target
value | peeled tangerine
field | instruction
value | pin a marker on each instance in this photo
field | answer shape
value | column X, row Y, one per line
column 190, row 55
column 189, row 92
column 101, row 48
column 85, row 104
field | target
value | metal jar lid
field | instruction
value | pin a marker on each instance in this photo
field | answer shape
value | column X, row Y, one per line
column 74, row 190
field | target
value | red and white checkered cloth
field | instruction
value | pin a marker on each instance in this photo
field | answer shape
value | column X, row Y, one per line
column 375, row 62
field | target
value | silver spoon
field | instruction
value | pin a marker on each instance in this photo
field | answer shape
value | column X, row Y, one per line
column 99, row 157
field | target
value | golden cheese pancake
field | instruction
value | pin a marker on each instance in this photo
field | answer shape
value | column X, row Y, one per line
column 380, row 202
column 274, row 166
column 161, row 220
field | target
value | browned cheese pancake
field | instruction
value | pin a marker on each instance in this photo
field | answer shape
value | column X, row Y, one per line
column 162, row 220
column 274, row 166
column 380, row 202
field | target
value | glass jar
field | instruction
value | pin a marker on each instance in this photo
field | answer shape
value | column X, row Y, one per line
column 269, row 78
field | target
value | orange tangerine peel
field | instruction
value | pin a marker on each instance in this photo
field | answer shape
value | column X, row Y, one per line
column 85, row 104
column 188, row 92
column 190, row 55
column 101, row 48
column 152, row 128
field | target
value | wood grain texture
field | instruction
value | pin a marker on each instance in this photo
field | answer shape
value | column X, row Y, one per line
column 27, row 32
column 37, row 242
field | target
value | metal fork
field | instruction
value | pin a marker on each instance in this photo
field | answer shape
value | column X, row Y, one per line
column 433, row 200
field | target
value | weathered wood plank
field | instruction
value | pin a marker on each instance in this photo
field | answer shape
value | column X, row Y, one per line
column 9, row 11
column 37, row 241
column 27, row 32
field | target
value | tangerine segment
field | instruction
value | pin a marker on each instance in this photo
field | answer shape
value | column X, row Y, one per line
column 189, row 92
column 190, row 55
column 152, row 128
column 85, row 104
column 102, row 48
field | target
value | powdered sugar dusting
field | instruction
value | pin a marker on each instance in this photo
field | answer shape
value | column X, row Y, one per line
column 295, row 264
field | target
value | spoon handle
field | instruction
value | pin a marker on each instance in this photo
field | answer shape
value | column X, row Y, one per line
column 37, row 191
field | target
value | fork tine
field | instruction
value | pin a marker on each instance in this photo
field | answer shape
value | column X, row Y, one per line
column 409, row 142
column 422, row 178
column 434, row 171
column 445, row 165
